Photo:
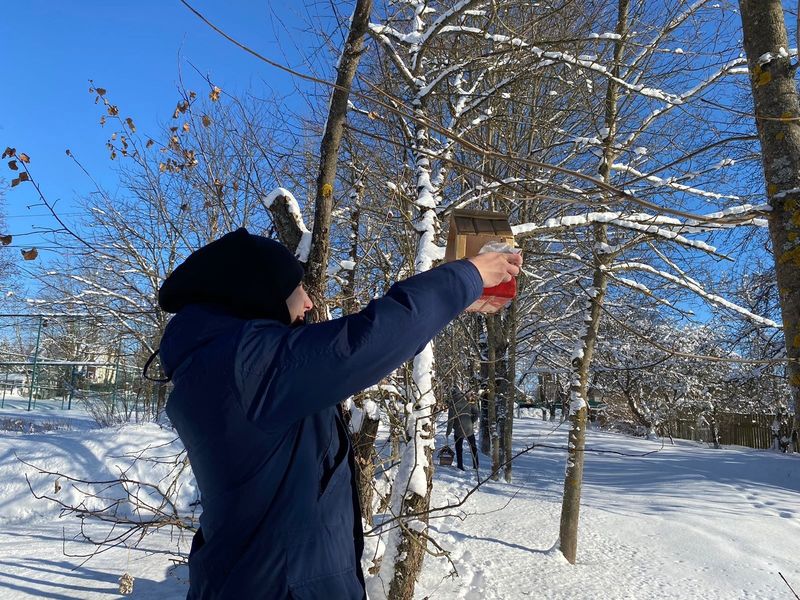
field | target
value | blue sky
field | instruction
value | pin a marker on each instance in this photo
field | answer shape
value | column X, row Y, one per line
column 136, row 50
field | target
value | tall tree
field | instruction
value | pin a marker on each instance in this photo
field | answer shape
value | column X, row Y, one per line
column 317, row 260
column 582, row 357
column 777, row 115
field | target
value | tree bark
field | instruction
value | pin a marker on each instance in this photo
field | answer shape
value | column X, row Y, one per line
column 777, row 112
column 512, row 391
column 491, row 396
column 289, row 232
column 573, row 480
column 412, row 543
column 317, row 266
column 364, row 457
column 406, row 546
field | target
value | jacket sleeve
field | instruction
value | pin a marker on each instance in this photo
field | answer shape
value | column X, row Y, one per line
column 317, row 366
column 451, row 415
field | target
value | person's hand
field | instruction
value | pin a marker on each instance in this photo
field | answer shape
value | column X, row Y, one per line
column 497, row 267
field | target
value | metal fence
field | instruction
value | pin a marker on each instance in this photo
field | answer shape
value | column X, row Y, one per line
column 66, row 361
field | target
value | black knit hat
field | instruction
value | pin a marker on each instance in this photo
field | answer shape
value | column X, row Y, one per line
column 249, row 275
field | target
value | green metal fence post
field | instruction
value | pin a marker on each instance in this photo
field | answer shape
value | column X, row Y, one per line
column 71, row 388
column 5, row 385
column 116, row 375
column 35, row 362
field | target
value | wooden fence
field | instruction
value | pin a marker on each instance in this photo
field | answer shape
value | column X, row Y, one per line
column 754, row 431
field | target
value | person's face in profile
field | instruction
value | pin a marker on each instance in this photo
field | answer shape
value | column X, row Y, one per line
column 299, row 304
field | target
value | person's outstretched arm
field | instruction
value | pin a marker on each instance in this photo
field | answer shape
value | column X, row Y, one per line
column 319, row 365
column 451, row 415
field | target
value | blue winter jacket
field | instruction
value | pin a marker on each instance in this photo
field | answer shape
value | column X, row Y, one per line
column 255, row 404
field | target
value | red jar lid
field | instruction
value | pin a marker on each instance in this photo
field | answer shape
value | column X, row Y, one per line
column 495, row 298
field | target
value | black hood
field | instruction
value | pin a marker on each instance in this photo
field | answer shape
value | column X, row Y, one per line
column 248, row 275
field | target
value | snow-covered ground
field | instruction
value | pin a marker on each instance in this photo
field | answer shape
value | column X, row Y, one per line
column 658, row 521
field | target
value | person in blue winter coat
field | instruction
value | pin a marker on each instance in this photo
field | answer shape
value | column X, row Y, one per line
column 255, row 402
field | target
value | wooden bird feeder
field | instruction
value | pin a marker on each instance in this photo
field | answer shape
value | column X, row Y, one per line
column 471, row 230
column 446, row 456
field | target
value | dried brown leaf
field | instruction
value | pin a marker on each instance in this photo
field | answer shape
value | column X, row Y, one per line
column 131, row 126
column 24, row 157
column 113, row 111
column 24, row 176
column 12, row 164
column 9, row 152
column 206, row 121
column 180, row 108
column 30, row 254
column 186, row 127
column 15, row 182
column 214, row 95
column 6, row 239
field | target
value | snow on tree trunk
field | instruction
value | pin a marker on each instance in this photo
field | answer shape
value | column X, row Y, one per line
column 364, row 452
column 411, row 491
column 364, row 411
column 407, row 542
column 772, row 79
column 485, row 436
column 582, row 356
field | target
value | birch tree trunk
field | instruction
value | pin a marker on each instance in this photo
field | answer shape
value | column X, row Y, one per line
column 406, row 544
column 778, row 122
column 411, row 491
column 317, row 264
column 582, row 357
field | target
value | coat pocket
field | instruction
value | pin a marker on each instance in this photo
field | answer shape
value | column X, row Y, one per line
column 331, row 478
column 321, row 565
column 334, row 467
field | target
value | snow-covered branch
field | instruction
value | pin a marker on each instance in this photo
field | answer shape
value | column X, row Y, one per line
column 692, row 285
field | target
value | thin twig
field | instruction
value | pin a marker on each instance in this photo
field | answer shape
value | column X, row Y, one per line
column 790, row 587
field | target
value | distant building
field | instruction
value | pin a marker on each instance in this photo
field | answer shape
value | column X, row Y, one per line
column 102, row 372
column 12, row 383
